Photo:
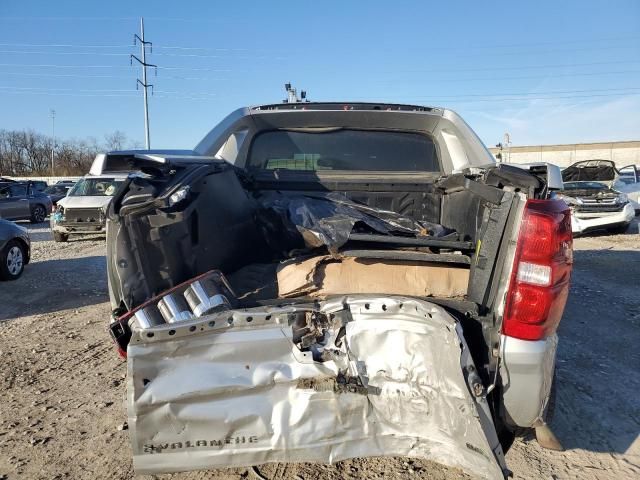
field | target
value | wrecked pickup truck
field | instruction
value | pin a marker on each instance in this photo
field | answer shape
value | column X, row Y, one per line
column 322, row 281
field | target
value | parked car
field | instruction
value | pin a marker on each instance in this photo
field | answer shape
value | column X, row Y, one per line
column 82, row 210
column 321, row 281
column 595, row 206
column 15, row 250
column 628, row 182
column 599, row 196
column 24, row 201
column 57, row 192
column 38, row 185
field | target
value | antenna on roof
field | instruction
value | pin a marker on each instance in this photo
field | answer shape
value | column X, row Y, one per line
column 292, row 94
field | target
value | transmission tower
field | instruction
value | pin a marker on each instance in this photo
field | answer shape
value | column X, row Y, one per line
column 143, row 82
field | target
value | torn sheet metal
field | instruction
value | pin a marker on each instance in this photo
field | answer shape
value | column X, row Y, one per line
column 386, row 376
column 327, row 220
column 325, row 275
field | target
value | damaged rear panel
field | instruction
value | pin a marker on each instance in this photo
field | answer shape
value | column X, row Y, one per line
column 348, row 377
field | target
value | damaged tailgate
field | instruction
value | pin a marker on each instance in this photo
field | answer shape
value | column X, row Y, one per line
column 354, row 376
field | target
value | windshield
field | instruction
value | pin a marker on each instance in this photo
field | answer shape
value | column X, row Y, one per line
column 355, row 150
column 95, row 187
column 584, row 186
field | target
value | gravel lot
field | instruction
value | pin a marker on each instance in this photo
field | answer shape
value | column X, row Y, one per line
column 61, row 382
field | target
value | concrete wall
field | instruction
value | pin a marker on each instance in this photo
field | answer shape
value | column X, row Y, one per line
column 622, row 153
column 49, row 180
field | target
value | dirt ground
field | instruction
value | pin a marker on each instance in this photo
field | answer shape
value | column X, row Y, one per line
column 61, row 383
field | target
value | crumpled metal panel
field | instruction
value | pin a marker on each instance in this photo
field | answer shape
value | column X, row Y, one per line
column 236, row 390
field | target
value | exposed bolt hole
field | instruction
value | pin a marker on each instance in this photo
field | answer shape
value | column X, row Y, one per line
column 230, row 320
column 247, row 367
column 384, row 307
column 212, row 323
column 249, row 319
column 367, row 306
column 146, row 381
column 400, row 306
column 150, row 335
column 172, row 332
column 268, row 317
column 192, row 328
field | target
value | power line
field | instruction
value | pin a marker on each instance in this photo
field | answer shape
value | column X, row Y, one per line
column 550, row 92
column 52, row 65
column 74, row 75
column 67, row 89
column 465, row 47
column 523, row 67
column 483, row 96
column 28, row 52
column 112, row 54
column 69, row 45
column 431, row 71
column 70, row 18
column 276, row 58
column 555, row 42
column 450, row 79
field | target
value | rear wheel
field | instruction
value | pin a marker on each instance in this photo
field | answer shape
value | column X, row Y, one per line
column 60, row 237
column 12, row 259
column 38, row 214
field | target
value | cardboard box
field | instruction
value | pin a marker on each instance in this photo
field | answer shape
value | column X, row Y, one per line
column 326, row 275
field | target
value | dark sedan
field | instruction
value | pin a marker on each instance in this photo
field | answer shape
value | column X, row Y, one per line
column 15, row 250
column 23, row 201
column 58, row 191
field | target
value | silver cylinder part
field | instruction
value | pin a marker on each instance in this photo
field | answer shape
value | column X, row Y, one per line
column 204, row 296
column 148, row 317
column 174, row 308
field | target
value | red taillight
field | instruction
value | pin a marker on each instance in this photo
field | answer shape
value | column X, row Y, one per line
column 541, row 271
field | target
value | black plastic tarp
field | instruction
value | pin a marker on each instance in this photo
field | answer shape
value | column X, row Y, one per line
column 329, row 219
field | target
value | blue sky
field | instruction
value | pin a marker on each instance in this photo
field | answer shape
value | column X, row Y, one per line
column 545, row 71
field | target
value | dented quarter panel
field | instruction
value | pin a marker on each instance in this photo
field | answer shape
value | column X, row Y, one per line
column 239, row 391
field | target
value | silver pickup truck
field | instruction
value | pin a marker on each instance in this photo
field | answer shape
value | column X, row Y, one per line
column 321, row 281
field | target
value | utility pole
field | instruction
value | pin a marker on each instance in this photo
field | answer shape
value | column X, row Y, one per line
column 52, row 114
column 145, row 85
column 507, row 142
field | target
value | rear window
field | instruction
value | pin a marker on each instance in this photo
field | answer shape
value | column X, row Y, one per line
column 356, row 150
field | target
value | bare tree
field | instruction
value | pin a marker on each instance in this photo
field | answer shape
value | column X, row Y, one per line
column 115, row 141
column 26, row 153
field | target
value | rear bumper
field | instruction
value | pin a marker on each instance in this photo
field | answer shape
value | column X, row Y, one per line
column 238, row 388
column 526, row 370
column 584, row 222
